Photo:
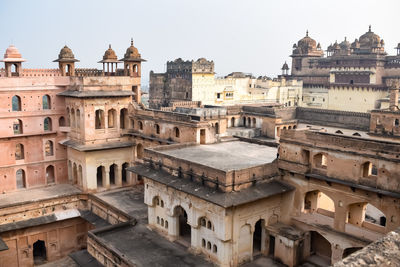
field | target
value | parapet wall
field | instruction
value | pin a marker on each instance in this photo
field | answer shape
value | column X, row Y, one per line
column 334, row 118
column 35, row 72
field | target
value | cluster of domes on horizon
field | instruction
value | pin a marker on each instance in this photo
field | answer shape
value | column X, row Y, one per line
column 12, row 54
column 369, row 42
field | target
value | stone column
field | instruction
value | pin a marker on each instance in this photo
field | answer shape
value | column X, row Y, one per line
column 106, row 178
column 118, row 175
column 173, row 227
column 337, row 253
column 339, row 222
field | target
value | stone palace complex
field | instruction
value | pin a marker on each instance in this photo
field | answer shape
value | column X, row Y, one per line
column 298, row 170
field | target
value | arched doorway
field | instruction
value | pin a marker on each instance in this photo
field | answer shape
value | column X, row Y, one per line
column 123, row 174
column 184, row 229
column 50, row 179
column 113, row 170
column 139, row 151
column 232, row 122
column 39, row 252
column 320, row 249
column 257, row 238
column 99, row 176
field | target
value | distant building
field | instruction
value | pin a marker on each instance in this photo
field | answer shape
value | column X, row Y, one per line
column 196, row 81
column 350, row 77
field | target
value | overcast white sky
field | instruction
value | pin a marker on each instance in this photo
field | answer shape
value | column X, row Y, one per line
column 250, row 35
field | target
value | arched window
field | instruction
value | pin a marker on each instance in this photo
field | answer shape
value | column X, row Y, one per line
column 369, row 169
column 364, row 214
column 209, row 226
column 316, row 201
column 72, row 118
column 19, row 151
column 176, row 132
column 16, row 103
column 47, row 124
column 20, row 178
column 217, row 128
column 68, row 121
column 157, row 129
column 46, row 102
column 48, row 148
column 139, row 151
column 17, row 126
column 99, row 119
column 61, row 122
column 78, row 119
column 123, row 118
column 140, row 125
column 254, row 123
column 396, row 122
column 112, row 115
column 208, row 245
column 166, row 224
column 203, row 222
column 50, row 178
column 320, row 161
column 215, row 249
column 203, row 243
column 232, row 122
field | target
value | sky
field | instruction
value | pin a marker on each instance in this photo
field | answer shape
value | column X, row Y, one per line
column 252, row 36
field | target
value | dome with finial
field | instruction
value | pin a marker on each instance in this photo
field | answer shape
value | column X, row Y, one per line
column 285, row 66
column 66, row 55
column 110, row 54
column 307, row 43
column 345, row 45
column 12, row 55
column 369, row 39
column 336, row 46
column 131, row 53
column 355, row 44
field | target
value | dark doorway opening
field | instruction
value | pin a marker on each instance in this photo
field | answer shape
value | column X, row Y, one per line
column 257, row 238
column 184, row 227
column 271, row 251
column 112, row 174
column 99, row 176
column 39, row 252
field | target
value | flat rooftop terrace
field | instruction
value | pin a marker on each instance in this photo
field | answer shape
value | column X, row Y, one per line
column 144, row 247
column 226, row 156
column 37, row 194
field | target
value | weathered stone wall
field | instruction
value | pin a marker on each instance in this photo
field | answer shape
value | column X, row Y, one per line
column 334, row 118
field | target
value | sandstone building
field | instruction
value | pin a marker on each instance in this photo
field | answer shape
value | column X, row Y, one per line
column 351, row 77
column 92, row 175
column 196, row 81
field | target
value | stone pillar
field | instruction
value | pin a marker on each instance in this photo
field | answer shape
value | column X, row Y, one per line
column 173, row 227
column 194, row 237
column 339, row 222
column 337, row 253
column 106, row 178
column 152, row 215
column 118, row 175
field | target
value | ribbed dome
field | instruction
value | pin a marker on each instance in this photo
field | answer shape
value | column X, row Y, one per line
column 307, row 43
column 110, row 54
column 12, row 55
column 66, row 53
column 369, row 39
column 12, row 52
column 132, row 52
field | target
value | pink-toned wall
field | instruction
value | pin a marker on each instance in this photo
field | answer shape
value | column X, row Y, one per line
column 33, row 138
